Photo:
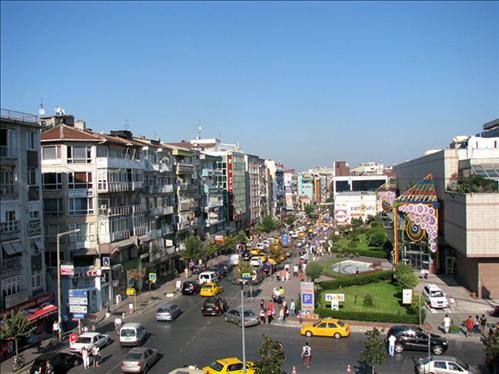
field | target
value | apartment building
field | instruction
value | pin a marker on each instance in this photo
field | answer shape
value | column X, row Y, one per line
column 255, row 178
column 212, row 195
column 22, row 262
column 306, row 188
column 468, row 222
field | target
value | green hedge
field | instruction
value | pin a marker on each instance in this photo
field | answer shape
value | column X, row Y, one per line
column 370, row 316
column 361, row 279
column 363, row 252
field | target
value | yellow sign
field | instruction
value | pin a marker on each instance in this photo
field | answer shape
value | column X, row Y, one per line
column 130, row 291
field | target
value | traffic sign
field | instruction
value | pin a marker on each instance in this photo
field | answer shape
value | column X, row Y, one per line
column 78, row 301
column 152, row 277
column 78, row 293
column 307, row 295
column 307, row 299
column 130, row 291
column 78, row 309
column 246, row 276
column 78, row 315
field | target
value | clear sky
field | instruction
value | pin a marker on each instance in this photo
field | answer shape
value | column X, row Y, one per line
column 301, row 82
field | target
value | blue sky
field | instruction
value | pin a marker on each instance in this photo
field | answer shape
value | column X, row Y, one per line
column 302, row 82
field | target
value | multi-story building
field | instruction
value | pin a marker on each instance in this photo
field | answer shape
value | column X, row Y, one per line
column 289, row 189
column 368, row 168
column 276, row 171
column 306, row 187
column 22, row 261
column 468, row 222
column 255, row 183
column 212, row 195
column 357, row 183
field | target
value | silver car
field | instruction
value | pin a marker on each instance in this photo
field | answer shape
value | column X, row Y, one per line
column 234, row 316
column 444, row 365
column 167, row 312
column 139, row 360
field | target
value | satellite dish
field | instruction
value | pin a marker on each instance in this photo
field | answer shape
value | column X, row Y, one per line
column 41, row 111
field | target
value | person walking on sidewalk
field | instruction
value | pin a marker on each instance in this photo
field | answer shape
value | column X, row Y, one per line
column 292, row 308
column 306, row 355
column 85, row 357
column 469, row 326
column 447, row 322
column 483, row 324
column 391, row 345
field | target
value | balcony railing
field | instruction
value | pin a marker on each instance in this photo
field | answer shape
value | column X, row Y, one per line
column 8, row 152
column 118, row 186
column 138, row 208
column 10, row 227
column 11, row 264
column 185, row 169
column 119, row 235
column 18, row 116
column 137, row 186
column 186, row 187
column 139, row 230
column 167, row 229
column 34, row 227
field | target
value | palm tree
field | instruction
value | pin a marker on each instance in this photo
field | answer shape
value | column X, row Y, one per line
column 15, row 326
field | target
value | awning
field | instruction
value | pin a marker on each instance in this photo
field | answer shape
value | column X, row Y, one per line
column 39, row 244
column 85, row 252
column 110, row 248
column 42, row 312
column 13, row 248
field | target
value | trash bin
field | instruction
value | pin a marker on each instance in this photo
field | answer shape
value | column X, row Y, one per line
column 117, row 299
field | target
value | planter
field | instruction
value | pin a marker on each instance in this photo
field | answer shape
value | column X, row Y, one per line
column 454, row 330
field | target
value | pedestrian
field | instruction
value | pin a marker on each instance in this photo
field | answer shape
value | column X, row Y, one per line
column 286, row 310
column 281, row 292
column 356, row 271
column 483, row 324
column 117, row 324
column 262, row 303
column 85, row 329
column 292, row 308
column 391, row 345
column 55, row 329
column 96, row 356
column 49, row 369
column 270, row 313
column 287, row 275
column 306, row 355
column 280, row 318
column 86, row 359
column 302, row 276
column 263, row 315
column 476, row 325
column 295, row 270
column 469, row 326
column 447, row 322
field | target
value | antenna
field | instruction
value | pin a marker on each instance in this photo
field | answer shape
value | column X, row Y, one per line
column 41, row 111
column 126, row 124
column 199, row 132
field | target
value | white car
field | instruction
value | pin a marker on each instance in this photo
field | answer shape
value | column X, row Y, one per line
column 435, row 296
column 293, row 234
column 89, row 340
column 260, row 246
column 443, row 365
column 256, row 262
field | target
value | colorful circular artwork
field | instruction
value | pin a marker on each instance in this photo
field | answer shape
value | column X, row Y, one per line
column 414, row 232
column 386, row 206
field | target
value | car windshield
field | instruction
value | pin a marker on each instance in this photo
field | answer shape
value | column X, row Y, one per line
column 163, row 310
column 248, row 313
column 84, row 340
column 216, row 366
column 133, row 357
column 127, row 332
column 437, row 294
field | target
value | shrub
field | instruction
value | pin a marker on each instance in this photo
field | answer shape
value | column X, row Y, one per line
column 368, row 300
column 369, row 316
column 359, row 280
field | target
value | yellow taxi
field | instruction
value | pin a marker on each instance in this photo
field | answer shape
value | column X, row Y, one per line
column 326, row 327
column 255, row 251
column 229, row 365
column 271, row 261
column 210, row 289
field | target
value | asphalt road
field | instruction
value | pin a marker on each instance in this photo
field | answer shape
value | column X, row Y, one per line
column 195, row 339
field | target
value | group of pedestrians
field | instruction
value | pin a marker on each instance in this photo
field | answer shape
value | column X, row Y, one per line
column 476, row 326
column 94, row 353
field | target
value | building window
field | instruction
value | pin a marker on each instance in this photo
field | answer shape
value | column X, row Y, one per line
column 51, row 231
column 11, row 286
column 80, row 180
column 51, row 152
column 79, row 206
column 31, row 138
column 52, row 207
column 36, row 280
column 7, row 181
column 52, row 181
column 31, row 177
column 101, row 151
column 79, row 154
column 86, row 233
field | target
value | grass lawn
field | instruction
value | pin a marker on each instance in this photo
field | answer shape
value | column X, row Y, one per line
column 384, row 296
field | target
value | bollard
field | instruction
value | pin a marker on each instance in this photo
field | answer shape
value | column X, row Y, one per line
column 294, row 370
column 349, row 368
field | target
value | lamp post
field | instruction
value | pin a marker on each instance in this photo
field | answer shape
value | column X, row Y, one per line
column 243, row 281
column 59, row 303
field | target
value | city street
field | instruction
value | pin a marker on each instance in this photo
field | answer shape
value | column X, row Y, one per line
column 195, row 339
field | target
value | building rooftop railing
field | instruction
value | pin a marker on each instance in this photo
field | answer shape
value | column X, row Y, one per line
column 18, row 116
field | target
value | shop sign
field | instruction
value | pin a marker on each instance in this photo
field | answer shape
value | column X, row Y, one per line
column 130, row 291
column 67, row 270
column 407, row 296
column 78, row 301
column 78, row 309
column 334, row 297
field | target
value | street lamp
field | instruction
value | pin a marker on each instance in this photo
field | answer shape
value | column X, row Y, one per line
column 243, row 282
column 59, row 303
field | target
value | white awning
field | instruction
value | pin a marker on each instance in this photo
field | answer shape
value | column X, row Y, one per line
column 12, row 248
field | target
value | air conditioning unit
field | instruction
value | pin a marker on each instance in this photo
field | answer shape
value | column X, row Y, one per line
column 103, row 207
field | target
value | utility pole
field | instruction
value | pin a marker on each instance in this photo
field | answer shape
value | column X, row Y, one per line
column 242, row 325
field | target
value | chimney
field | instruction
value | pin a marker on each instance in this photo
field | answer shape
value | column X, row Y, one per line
column 80, row 124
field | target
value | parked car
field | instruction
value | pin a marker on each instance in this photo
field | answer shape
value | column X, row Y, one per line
column 191, row 369
column 416, row 339
column 89, row 340
column 326, row 327
column 444, row 365
column 139, row 360
column 61, row 362
column 234, row 316
column 211, row 289
column 435, row 296
column 214, row 306
column 246, row 255
column 168, row 312
column 207, row 277
column 190, row 288
column 229, row 365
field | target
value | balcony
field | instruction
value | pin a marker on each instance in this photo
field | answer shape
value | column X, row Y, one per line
column 18, row 116
column 185, row 205
column 118, row 163
column 116, row 211
column 10, row 229
column 118, row 186
column 137, row 186
column 12, row 264
column 166, row 229
column 183, row 225
column 8, row 155
column 155, row 233
column 184, row 168
column 138, row 208
column 34, row 227
column 139, row 230
column 119, row 235
column 186, row 187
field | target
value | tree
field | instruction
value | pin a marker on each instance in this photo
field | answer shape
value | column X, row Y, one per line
column 192, row 248
column 15, row 326
column 243, row 267
column 309, row 210
column 374, row 349
column 406, row 279
column 314, row 270
column 230, row 244
column 209, row 250
column 271, row 357
column 268, row 224
column 290, row 219
column 492, row 350
column 276, row 252
column 377, row 238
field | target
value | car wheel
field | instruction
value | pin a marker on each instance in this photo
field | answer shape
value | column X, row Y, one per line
column 308, row 334
column 337, row 335
column 437, row 350
column 399, row 348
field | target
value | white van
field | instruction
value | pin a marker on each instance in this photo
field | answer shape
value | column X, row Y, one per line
column 207, row 277
column 132, row 334
column 256, row 261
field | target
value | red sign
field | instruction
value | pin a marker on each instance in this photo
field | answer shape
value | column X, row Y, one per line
column 229, row 173
column 73, row 338
column 68, row 270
